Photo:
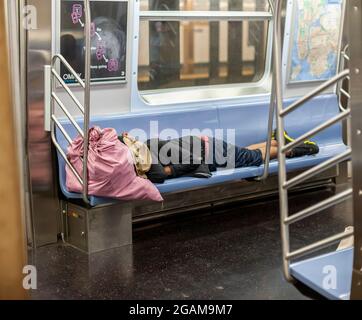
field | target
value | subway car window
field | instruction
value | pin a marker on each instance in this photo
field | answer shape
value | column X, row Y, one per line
column 184, row 53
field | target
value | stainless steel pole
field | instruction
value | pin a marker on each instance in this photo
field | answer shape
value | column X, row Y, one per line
column 87, row 100
column 271, row 107
column 283, row 193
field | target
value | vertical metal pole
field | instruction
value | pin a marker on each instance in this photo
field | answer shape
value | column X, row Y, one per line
column 283, row 193
column 355, row 40
column 22, row 37
column 87, row 100
column 270, row 128
column 272, row 104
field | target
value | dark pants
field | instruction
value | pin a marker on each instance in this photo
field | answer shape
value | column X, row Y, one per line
column 228, row 155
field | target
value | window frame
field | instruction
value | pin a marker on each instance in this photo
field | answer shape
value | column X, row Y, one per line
column 192, row 95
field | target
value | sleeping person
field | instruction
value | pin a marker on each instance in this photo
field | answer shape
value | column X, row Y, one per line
column 198, row 157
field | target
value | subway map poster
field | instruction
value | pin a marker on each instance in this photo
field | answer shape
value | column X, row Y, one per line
column 314, row 51
column 108, row 44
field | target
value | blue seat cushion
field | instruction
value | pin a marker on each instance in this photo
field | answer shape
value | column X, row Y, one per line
column 176, row 185
column 248, row 121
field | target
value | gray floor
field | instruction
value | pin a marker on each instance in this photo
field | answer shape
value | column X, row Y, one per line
column 232, row 253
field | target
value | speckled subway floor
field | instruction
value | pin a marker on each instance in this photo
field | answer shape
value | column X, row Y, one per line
column 231, row 253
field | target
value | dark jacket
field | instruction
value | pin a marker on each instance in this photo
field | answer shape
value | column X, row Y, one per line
column 185, row 156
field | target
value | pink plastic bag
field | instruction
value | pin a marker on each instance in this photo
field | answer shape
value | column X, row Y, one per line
column 111, row 171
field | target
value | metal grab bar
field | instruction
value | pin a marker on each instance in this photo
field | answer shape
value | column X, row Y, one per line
column 54, row 76
column 284, row 184
column 64, row 156
column 69, row 68
column 272, row 106
column 205, row 15
column 344, row 54
column 317, row 169
column 66, row 112
column 61, row 128
column 67, row 89
column 345, row 93
column 315, row 92
column 342, row 92
column 87, row 98
column 283, row 196
column 269, row 135
column 325, row 204
column 319, row 245
column 344, row 57
column 313, row 132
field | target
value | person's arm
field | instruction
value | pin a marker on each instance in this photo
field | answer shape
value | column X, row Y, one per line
column 157, row 174
column 168, row 171
column 179, row 170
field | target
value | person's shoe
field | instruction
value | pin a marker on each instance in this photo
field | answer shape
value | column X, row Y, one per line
column 287, row 138
column 307, row 149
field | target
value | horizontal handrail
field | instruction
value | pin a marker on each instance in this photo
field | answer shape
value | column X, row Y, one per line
column 205, row 15
column 69, row 67
column 67, row 89
column 318, row 245
column 69, row 116
column 341, row 116
column 315, row 92
column 323, row 205
column 317, row 169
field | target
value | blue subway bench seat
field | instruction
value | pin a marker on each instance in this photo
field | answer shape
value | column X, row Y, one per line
column 250, row 124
